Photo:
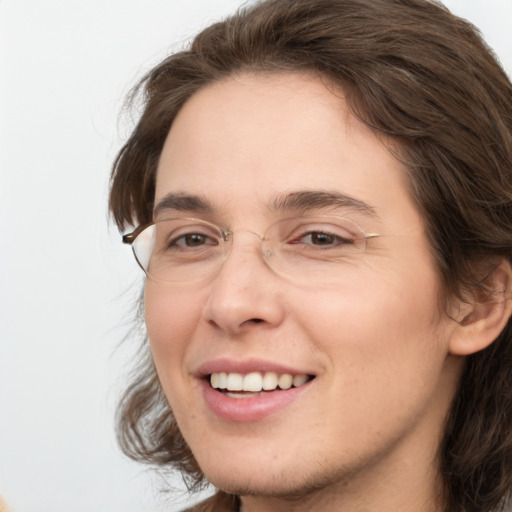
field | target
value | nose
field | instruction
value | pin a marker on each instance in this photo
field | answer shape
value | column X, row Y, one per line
column 246, row 293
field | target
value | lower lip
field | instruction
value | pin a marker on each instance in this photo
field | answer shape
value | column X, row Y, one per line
column 249, row 409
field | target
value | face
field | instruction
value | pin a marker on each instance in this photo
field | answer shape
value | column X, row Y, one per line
column 373, row 349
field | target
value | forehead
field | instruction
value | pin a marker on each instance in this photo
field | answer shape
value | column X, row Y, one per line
column 243, row 141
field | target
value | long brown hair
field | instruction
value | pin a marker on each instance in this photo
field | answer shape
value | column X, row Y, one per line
column 426, row 80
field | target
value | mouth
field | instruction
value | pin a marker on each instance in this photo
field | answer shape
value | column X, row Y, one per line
column 255, row 384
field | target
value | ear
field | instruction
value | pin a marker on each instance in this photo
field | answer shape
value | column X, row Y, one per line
column 486, row 312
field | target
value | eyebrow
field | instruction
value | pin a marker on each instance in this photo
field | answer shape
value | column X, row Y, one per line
column 300, row 201
column 307, row 200
column 183, row 203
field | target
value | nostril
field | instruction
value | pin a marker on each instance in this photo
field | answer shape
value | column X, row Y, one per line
column 256, row 320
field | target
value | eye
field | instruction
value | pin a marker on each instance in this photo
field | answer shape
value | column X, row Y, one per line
column 321, row 238
column 185, row 236
column 191, row 240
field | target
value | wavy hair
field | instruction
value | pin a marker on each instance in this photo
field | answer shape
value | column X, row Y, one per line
column 426, row 80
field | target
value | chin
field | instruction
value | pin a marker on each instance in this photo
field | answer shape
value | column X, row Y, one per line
column 291, row 483
column 270, row 487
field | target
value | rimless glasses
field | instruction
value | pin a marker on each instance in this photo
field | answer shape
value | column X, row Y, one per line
column 183, row 250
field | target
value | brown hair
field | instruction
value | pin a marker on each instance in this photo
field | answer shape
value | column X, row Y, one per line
column 425, row 79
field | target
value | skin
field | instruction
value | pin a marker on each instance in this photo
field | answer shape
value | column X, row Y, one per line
column 363, row 436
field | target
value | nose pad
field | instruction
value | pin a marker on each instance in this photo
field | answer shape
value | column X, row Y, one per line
column 245, row 292
column 244, row 240
column 265, row 250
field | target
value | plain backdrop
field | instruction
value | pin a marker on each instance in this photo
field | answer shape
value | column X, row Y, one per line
column 67, row 285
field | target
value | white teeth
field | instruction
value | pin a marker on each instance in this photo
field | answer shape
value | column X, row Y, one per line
column 270, row 381
column 255, row 382
column 285, row 381
column 222, row 380
column 241, row 395
column 235, row 382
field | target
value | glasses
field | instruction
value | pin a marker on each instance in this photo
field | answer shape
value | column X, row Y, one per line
column 184, row 250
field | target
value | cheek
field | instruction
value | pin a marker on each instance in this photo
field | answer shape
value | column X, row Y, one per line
column 379, row 326
column 171, row 318
column 384, row 350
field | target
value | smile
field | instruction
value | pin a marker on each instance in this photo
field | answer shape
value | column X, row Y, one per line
column 251, row 390
column 252, row 384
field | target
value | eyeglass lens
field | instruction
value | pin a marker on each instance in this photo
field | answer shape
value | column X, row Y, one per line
column 312, row 249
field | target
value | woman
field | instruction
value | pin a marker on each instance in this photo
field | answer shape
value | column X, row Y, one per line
column 323, row 190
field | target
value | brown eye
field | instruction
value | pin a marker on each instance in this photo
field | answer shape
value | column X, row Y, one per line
column 192, row 240
column 324, row 239
column 321, row 239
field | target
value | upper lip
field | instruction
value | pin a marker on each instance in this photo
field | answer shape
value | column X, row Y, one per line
column 246, row 366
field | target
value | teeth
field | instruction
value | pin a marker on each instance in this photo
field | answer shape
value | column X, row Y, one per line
column 298, row 380
column 285, row 381
column 241, row 395
column 255, row 382
column 270, row 381
column 222, row 380
column 235, row 382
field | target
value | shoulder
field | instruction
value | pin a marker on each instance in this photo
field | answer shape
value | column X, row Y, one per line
column 219, row 502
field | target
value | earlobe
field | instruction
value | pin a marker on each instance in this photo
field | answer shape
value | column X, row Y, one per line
column 482, row 318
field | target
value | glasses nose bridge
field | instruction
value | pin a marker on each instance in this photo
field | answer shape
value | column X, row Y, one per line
column 233, row 240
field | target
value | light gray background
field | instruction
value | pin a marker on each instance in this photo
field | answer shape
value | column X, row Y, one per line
column 66, row 284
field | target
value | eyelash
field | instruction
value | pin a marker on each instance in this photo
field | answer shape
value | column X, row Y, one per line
column 336, row 239
column 175, row 241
